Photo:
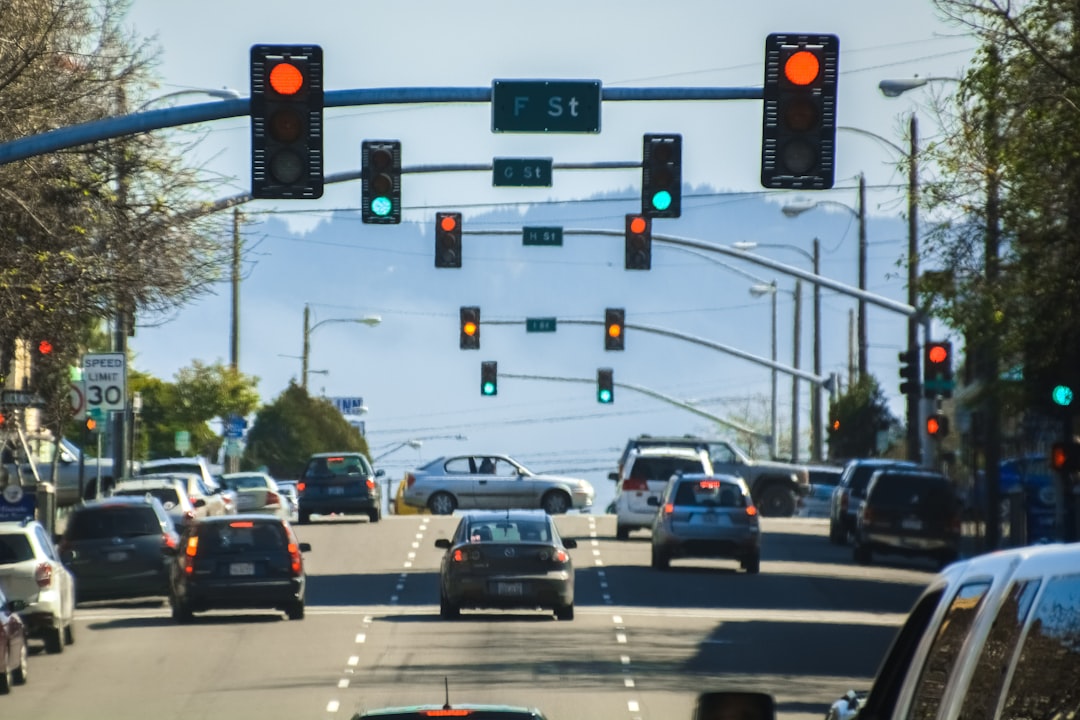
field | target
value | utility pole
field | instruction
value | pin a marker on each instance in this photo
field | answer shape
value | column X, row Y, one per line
column 795, row 378
column 914, row 395
column 121, row 317
column 816, row 413
column 307, row 347
column 862, row 276
column 234, row 333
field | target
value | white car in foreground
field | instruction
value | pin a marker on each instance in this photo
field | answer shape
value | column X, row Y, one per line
column 31, row 571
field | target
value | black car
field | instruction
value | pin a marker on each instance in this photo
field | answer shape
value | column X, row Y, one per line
column 506, row 559
column 341, row 483
column 119, row 547
column 848, row 495
column 909, row 512
column 236, row 562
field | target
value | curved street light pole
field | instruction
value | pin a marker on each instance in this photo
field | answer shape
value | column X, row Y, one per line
column 369, row 320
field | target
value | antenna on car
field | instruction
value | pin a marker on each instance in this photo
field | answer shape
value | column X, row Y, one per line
column 446, row 688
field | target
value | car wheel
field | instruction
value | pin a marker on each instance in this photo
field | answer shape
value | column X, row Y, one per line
column 777, row 501
column 305, row 518
column 296, row 610
column 69, row 633
column 5, row 682
column 22, row 673
column 447, row 609
column 565, row 612
column 54, row 640
column 622, row 532
column 752, row 564
column 836, row 535
column 862, row 554
column 374, row 515
column 660, row 560
column 555, row 502
column 442, row 503
column 181, row 613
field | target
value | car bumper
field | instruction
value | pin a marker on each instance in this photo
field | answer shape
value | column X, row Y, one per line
column 734, row 545
column 269, row 594
column 553, row 590
column 324, row 506
column 890, row 542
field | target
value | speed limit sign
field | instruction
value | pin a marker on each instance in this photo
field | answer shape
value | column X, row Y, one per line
column 105, row 376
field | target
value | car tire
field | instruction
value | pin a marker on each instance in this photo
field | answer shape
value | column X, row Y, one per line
column 304, row 518
column 181, row 613
column 836, row 535
column 555, row 502
column 374, row 515
column 777, row 501
column 862, row 554
column 442, row 503
column 752, row 564
column 22, row 673
column 54, row 640
column 565, row 612
column 660, row 560
column 5, row 682
column 447, row 610
column 69, row 633
column 622, row 532
column 296, row 610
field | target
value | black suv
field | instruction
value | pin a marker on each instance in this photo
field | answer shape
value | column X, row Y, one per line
column 909, row 512
column 849, row 494
column 340, row 482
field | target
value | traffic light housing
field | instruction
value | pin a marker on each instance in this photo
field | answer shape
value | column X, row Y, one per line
column 909, row 372
column 447, row 240
column 286, row 121
column 380, row 161
column 614, row 329
column 937, row 370
column 661, row 176
column 638, row 242
column 798, row 134
column 41, row 359
column 1065, row 456
column 605, row 386
column 489, row 378
column 937, row 425
column 470, row 328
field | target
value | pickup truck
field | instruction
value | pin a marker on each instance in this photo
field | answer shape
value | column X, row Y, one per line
column 776, row 487
column 67, row 470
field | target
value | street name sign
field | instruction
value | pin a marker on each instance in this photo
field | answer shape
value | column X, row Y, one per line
column 544, row 324
column 20, row 398
column 521, row 172
column 105, row 377
column 536, row 235
column 562, row 106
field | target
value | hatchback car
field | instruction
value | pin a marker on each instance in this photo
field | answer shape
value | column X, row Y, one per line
column 492, row 482
column 253, row 561
column 506, row 559
column 823, row 481
column 850, row 492
column 257, row 492
column 171, row 492
column 119, row 547
column 31, row 571
column 645, row 475
column 466, row 712
column 909, row 512
column 339, row 482
column 706, row 516
column 14, row 668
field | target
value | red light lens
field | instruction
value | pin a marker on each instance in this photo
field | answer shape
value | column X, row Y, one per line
column 286, row 79
column 448, row 223
column 709, row 484
column 802, row 68
column 45, row 347
column 637, row 225
column 938, row 354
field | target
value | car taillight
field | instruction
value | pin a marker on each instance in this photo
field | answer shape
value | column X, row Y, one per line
column 169, row 541
column 294, row 554
column 459, row 556
column 669, row 508
column 301, row 486
column 561, row 556
column 635, row 483
column 409, row 479
column 189, row 554
column 370, row 485
column 751, row 511
column 43, row 575
column 272, row 498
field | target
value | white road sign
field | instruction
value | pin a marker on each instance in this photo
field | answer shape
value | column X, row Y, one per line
column 105, row 377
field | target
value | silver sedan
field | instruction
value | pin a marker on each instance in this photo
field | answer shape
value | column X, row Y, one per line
column 492, row 482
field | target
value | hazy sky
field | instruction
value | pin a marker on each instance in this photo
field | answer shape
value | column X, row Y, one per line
column 625, row 43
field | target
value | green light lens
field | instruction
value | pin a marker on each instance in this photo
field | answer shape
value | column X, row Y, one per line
column 661, row 200
column 604, row 396
column 381, row 206
column 488, row 388
column 1062, row 395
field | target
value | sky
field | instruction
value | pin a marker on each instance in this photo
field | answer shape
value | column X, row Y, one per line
column 396, row 366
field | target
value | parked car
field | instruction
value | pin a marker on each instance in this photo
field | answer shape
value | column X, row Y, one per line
column 492, row 482
column 31, row 572
column 171, row 491
column 254, row 561
column 197, row 465
column 208, row 502
column 993, row 637
column 44, row 448
column 14, row 668
column 909, row 512
column 291, row 495
column 339, row 482
column 399, row 506
column 119, row 547
column 646, row 473
column 706, row 516
column 257, row 492
column 506, row 559
column 849, row 493
column 823, row 481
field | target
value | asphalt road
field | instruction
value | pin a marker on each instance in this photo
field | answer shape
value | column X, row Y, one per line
column 643, row 644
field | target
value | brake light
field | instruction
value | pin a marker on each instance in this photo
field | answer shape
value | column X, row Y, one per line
column 709, row 484
column 297, row 563
column 272, row 498
column 561, row 556
column 169, row 541
column 189, row 554
column 370, row 484
column 242, row 524
column 335, row 459
column 409, row 479
column 669, row 508
column 459, row 556
column 635, row 483
column 43, row 575
column 446, row 712
column 751, row 510
column 301, row 486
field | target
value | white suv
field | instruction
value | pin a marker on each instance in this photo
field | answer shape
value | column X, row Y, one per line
column 31, row 571
column 645, row 475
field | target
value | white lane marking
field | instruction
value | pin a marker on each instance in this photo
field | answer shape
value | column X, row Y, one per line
column 592, row 533
column 599, row 561
column 411, row 556
column 332, row 706
column 628, row 682
column 617, row 619
column 408, row 564
column 620, row 638
column 601, row 573
column 343, row 683
column 361, row 637
column 419, row 536
column 624, row 659
column 632, row 705
column 607, row 599
column 354, row 660
column 596, row 552
column 367, row 619
column 416, row 545
column 595, row 543
column 603, row 584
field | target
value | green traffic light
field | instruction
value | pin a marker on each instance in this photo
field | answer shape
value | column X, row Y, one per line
column 604, row 396
column 661, row 200
column 488, row 388
column 381, row 206
column 1062, row 395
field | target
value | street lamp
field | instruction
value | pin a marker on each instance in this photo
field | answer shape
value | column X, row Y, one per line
column 816, row 412
column 222, row 94
column 369, row 320
column 757, row 291
column 896, row 88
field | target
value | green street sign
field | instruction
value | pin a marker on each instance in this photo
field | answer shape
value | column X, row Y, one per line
column 545, row 324
column 541, row 236
column 564, row 106
column 96, row 414
column 521, row 172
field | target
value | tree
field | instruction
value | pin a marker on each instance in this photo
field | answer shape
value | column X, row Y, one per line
column 293, row 427
column 857, row 418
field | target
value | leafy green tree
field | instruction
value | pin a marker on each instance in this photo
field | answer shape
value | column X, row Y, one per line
column 293, row 427
column 857, row 418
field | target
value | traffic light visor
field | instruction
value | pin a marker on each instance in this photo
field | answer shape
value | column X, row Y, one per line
column 802, row 67
column 286, row 79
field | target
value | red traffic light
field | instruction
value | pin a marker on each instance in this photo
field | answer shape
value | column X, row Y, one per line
column 802, row 67
column 1065, row 456
column 937, row 353
column 286, row 79
column 45, row 347
column 448, row 222
column 937, row 425
column 638, row 242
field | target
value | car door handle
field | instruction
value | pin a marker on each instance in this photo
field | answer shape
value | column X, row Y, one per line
column 483, row 482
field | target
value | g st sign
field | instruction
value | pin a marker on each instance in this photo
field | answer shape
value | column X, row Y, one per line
column 105, row 376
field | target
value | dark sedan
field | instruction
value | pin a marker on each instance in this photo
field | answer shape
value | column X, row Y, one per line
column 339, row 483
column 506, row 559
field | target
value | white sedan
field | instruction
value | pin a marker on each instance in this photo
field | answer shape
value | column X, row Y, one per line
column 257, row 492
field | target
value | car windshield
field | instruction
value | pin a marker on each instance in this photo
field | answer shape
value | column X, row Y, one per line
column 662, row 468
column 240, row 536
column 15, row 548
column 107, row 522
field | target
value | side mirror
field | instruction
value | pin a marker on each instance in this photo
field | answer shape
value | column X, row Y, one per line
column 443, row 543
column 14, row 606
column 305, row 547
column 380, row 473
column 653, row 501
column 569, row 543
column 199, row 502
column 613, row 476
column 734, row 706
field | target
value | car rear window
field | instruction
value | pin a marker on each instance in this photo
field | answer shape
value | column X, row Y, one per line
column 240, row 536
column 101, row 523
column 890, row 489
column 247, row 482
column 708, row 493
column 168, row 496
column 662, row 468
column 509, row 531
column 337, row 466
column 15, row 548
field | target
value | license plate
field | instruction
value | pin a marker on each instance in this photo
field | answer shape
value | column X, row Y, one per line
column 510, row 588
column 117, row 556
column 911, row 524
column 242, row 569
column 335, row 490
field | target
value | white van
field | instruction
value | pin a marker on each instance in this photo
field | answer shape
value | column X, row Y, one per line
column 645, row 475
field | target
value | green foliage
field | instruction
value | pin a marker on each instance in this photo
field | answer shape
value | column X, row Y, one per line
column 862, row 413
column 293, row 427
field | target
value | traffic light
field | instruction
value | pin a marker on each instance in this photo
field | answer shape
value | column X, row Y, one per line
column 380, row 161
column 1062, row 395
column 798, row 134
column 489, row 378
column 286, row 121
column 1065, row 456
column 447, row 240
column 91, row 425
column 937, row 369
column 661, row 176
column 909, row 372
column 614, row 325
column 41, row 357
column 605, row 386
column 470, row 328
column 937, row 425
column 638, row 242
